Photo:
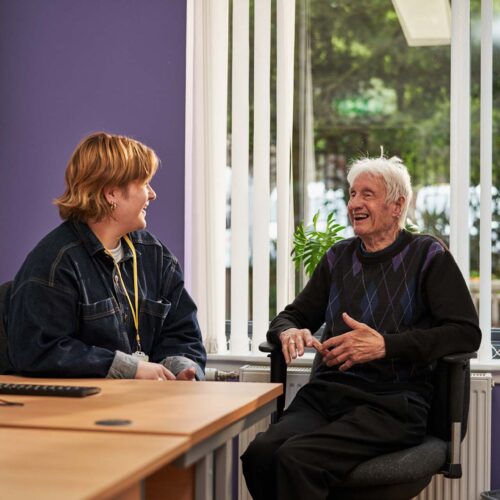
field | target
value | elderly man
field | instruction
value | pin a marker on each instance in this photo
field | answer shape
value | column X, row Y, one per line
column 393, row 303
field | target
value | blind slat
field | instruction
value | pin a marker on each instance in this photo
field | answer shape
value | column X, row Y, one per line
column 239, row 177
column 261, row 171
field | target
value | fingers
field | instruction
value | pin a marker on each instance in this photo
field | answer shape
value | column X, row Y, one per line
column 335, row 351
column 316, row 344
column 153, row 371
column 165, row 374
column 188, row 374
column 308, row 339
column 293, row 342
column 299, row 344
column 350, row 322
column 285, row 349
column 345, row 366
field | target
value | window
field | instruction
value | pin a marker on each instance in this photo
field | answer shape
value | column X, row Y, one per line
column 357, row 85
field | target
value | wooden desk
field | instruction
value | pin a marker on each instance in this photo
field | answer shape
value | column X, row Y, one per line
column 195, row 409
column 209, row 414
column 52, row 464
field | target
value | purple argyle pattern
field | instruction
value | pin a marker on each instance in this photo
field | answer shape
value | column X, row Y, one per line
column 383, row 290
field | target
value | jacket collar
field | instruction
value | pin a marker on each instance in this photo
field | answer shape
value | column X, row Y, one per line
column 92, row 243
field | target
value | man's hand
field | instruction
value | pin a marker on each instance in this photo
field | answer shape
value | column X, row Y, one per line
column 187, row 374
column 293, row 342
column 360, row 345
column 153, row 371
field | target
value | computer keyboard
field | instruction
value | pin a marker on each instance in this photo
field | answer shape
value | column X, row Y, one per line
column 69, row 391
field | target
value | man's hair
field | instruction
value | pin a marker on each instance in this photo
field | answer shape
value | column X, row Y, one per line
column 102, row 160
column 394, row 174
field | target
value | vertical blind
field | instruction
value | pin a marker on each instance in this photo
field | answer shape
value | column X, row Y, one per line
column 207, row 132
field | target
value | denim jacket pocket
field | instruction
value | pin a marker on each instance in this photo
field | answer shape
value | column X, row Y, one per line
column 154, row 308
column 100, row 325
column 152, row 315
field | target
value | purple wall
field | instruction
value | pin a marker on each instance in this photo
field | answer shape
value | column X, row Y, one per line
column 68, row 68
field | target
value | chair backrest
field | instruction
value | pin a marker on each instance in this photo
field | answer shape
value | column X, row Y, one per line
column 439, row 422
column 4, row 287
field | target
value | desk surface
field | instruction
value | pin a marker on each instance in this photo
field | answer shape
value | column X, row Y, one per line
column 194, row 409
column 54, row 464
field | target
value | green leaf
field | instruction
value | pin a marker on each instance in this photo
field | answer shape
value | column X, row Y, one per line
column 310, row 244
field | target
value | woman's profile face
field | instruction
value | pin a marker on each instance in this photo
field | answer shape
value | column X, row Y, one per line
column 131, row 205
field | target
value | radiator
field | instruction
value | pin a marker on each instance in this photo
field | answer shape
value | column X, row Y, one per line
column 476, row 447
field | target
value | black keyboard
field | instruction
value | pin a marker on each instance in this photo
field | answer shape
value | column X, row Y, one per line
column 68, row 391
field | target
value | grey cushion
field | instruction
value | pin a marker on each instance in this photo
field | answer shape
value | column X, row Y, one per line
column 401, row 466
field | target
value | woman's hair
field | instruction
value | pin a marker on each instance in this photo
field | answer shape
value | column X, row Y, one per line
column 394, row 174
column 102, row 160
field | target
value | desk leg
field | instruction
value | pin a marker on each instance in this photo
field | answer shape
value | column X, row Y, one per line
column 204, row 478
column 223, row 471
column 171, row 483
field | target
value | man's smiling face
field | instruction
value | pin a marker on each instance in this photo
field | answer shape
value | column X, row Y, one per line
column 372, row 217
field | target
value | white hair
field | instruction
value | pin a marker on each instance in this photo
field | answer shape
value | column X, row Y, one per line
column 394, row 174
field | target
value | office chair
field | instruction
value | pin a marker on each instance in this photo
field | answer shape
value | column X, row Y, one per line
column 3, row 336
column 403, row 474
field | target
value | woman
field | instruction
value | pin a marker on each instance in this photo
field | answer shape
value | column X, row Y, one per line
column 393, row 303
column 99, row 296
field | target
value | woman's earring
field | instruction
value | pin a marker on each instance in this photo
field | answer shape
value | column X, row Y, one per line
column 113, row 205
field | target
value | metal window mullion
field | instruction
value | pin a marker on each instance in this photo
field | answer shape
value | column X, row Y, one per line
column 284, row 115
column 239, row 177
column 460, row 134
column 486, row 157
column 261, row 171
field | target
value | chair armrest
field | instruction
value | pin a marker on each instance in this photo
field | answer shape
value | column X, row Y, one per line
column 268, row 347
column 278, row 373
column 461, row 357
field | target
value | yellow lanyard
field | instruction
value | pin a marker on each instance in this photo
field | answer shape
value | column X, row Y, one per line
column 133, row 308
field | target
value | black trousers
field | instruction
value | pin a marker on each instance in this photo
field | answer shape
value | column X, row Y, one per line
column 328, row 430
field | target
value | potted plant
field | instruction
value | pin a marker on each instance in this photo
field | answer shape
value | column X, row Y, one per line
column 311, row 243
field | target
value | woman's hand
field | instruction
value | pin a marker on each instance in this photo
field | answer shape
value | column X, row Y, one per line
column 153, row 371
column 360, row 345
column 293, row 342
column 187, row 374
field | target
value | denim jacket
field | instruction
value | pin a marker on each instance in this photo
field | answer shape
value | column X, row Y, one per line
column 67, row 315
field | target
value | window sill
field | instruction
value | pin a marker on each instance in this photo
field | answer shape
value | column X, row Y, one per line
column 490, row 366
column 307, row 359
column 259, row 358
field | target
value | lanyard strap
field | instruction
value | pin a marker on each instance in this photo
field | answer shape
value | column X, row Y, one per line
column 133, row 308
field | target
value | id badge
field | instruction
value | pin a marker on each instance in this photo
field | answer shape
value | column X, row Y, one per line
column 142, row 356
